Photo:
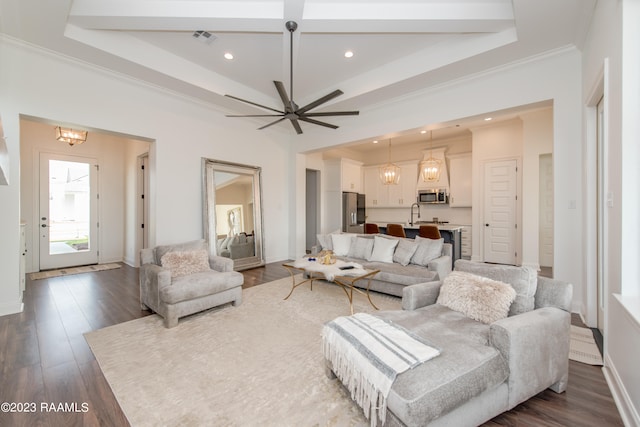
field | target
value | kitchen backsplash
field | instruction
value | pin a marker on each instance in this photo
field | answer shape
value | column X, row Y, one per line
column 458, row 216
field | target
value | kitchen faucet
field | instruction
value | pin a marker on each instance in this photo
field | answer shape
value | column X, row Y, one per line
column 411, row 219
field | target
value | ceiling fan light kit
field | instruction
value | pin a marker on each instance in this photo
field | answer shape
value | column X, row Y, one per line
column 291, row 110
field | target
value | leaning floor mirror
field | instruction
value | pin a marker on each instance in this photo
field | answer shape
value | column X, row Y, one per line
column 233, row 212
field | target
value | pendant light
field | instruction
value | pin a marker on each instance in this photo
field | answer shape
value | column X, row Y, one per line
column 70, row 136
column 431, row 167
column 390, row 173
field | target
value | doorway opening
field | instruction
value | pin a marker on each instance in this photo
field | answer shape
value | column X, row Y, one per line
column 79, row 203
column 312, row 211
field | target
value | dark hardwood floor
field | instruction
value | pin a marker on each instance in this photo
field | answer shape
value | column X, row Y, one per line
column 46, row 363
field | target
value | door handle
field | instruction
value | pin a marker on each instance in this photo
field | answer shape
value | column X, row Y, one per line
column 44, row 226
column 486, row 225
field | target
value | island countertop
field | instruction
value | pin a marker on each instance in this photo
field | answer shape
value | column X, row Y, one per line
column 415, row 226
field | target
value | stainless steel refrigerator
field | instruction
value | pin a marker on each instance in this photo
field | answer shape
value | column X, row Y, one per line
column 353, row 212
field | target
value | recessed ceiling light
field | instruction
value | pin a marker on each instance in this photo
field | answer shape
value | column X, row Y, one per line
column 348, row 54
column 488, row 119
column 228, row 55
column 423, row 131
column 375, row 142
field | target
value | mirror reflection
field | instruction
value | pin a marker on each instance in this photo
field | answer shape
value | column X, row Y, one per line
column 233, row 218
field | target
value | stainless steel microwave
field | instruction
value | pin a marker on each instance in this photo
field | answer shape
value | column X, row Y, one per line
column 433, row 196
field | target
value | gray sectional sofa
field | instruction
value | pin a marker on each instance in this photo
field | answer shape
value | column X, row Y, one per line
column 483, row 369
column 402, row 262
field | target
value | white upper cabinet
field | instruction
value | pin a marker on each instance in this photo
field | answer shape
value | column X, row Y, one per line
column 351, row 176
column 343, row 175
column 460, row 181
column 391, row 196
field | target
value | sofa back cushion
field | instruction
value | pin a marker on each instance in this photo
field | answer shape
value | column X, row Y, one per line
column 523, row 279
column 427, row 250
column 361, row 247
column 404, row 251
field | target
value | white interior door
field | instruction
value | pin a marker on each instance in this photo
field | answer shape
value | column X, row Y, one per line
column 601, row 213
column 68, row 211
column 500, row 185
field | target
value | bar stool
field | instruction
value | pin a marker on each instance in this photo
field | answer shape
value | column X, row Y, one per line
column 371, row 228
column 396, row 230
column 429, row 232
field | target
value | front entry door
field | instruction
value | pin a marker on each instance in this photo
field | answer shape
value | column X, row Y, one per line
column 68, row 211
column 500, row 186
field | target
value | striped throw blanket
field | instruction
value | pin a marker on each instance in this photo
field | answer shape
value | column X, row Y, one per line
column 366, row 354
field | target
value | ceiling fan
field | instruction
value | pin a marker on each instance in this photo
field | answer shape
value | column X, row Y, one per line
column 291, row 109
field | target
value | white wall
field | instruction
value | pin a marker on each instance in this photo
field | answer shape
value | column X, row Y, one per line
column 184, row 131
column 614, row 35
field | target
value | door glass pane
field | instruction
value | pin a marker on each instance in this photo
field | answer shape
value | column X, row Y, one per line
column 69, row 207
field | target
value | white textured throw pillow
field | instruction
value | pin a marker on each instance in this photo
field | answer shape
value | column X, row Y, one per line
column 341, row 243
column 477, row 297
column 183, row 263
column 383, row 249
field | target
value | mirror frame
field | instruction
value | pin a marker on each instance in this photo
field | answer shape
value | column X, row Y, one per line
column 209, row 167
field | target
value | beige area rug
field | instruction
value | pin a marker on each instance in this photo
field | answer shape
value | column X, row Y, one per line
column 258, row 364
column 73, row 270
column 583, row 347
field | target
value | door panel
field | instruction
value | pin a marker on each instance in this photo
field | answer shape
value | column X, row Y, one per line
column 68, row 211
column 500, row 212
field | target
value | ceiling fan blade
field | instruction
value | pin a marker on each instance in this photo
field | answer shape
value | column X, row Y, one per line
column 316, row 122
column 253, row 115
column 296, row 126
column 288, row 104
column 271, row 124
column 320, row 101
column 253, row 103
column 332, row 113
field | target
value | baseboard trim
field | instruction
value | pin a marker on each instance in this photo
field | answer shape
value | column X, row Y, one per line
column 628, row 412
column 11, row 308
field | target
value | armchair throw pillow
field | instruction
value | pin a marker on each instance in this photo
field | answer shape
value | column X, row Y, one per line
column 477, row 297
column 183, row 263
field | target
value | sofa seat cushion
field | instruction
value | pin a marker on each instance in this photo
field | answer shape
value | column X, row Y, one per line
column 466, row 367
column 400, row 274
column 396, row 273
column 200, row 284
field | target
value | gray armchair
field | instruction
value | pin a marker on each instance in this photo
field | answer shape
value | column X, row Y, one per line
column 187, row 283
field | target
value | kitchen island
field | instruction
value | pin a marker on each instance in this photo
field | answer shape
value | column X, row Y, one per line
column 450, row 232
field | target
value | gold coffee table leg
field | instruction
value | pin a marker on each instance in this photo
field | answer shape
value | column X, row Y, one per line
column 351, row 282
column 294, row 285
